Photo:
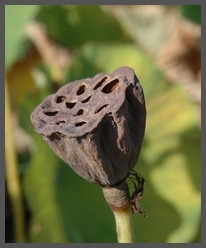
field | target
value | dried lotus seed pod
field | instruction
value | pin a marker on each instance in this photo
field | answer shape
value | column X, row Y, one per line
column 96, row 125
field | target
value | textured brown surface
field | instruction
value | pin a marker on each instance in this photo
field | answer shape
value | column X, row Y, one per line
column 96, row 125
column 118, row 197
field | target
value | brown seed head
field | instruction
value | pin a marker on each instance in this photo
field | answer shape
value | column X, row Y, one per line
column 96, row 125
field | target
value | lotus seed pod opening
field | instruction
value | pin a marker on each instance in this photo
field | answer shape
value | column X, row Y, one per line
column 96, row 125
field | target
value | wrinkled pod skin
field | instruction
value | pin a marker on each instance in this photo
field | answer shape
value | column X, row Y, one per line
column 96, row 125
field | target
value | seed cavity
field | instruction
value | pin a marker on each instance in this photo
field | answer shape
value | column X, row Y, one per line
column 55, row 136
column 80, row 112
column 99, row 109
column 70, row 105
column 51, row 113
column 79, row 124
column 100, row 83
column 86, row 100
column 60, row 122
column 110, row 86
column 61, row 99
column 81, row 90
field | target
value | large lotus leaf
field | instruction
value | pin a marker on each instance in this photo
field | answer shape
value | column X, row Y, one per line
column 66, row 208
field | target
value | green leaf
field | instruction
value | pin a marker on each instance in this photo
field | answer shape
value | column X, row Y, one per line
column 16, row 17
column 192, row 12
column 74, row 25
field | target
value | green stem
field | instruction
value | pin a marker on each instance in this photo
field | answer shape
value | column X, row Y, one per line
column 12, row 178
column 124, row 226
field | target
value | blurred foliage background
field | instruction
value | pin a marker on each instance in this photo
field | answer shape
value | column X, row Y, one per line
column 49, row 46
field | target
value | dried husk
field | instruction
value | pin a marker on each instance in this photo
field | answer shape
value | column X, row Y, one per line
column 96, row 125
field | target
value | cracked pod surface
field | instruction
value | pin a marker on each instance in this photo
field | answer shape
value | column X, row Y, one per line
column 96, row 125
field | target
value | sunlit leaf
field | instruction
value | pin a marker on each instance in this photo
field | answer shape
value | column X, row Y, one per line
column 16, row 17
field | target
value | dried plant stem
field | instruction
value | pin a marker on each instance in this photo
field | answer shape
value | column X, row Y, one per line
column 124, row 226
column 12, row 178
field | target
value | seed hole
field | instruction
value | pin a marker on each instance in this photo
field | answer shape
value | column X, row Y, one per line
column 100, row 83
column 54, row 136
column 86, row 100
column 70, row 104
column 60, row 99
column 51, row 113
column 98, row 110
column 110, row 86
column 81, row 123
column 81, row 90
column 80, row 112
column 60, row 122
